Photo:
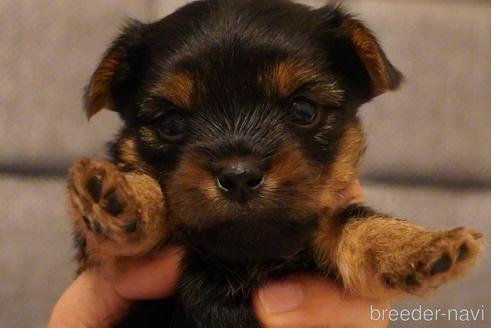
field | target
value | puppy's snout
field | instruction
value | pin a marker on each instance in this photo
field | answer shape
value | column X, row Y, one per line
column 240, row 181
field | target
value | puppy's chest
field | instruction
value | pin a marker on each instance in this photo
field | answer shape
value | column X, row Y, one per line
column 221, row 279
column 249, row 242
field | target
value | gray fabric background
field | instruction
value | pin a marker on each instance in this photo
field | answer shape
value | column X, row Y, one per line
column 429, row 143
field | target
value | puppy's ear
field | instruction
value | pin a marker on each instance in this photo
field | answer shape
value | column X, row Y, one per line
column 383, row 76
column 115, row 67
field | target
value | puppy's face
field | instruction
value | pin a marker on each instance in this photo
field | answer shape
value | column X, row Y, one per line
column 246, row 111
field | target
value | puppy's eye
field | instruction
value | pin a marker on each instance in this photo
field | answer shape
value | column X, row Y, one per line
column 172, row 126
column 303, row 112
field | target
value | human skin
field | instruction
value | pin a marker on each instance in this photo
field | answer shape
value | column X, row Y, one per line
column 103, row 295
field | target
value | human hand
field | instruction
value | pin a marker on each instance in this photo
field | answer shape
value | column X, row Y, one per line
column 313, row 302
column 102, row 296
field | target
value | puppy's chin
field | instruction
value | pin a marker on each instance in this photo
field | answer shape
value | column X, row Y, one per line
column 251, row 238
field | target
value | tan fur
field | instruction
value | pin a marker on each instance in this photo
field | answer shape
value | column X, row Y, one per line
column 193, row 194
column 382, row 257
column 128, row 153
column 366, row 46
column 176, row 87
column 345, row 167
column 290, row 166
column 97, row 94
column 191, row 175
column 288, row 75
column 285, row 77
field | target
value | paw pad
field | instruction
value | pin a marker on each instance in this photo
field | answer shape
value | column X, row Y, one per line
column 113, row 205
column 463, row 252
column 107, row 206
column 441, row 265
column 411, row 280
column 94, row 187
column 446, row 256
column 131, row 227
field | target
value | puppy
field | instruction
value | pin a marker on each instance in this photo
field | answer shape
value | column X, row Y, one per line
column 240, row 130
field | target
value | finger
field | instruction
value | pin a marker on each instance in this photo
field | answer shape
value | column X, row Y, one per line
column 90, row 301
column 304, row 302
column 151, row 277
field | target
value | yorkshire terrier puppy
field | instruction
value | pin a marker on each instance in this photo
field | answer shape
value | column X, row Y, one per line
column 240, row 130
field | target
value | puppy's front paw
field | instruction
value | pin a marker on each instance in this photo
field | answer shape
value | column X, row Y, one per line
column 443, row 256
column 102, row 197
column 115, row 214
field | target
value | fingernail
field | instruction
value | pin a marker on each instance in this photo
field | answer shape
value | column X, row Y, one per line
column 282, row 296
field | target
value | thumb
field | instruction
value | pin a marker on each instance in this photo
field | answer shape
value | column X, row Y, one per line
column 101, row 296
column 150, row 277
column 90, row 301
column 312, row 301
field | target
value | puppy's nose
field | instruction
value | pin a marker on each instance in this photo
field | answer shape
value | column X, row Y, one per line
column 240, row 181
